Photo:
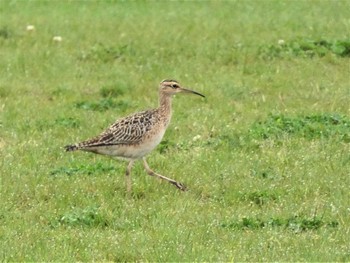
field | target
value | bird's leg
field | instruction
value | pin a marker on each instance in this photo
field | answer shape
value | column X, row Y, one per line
column 128, row 176
column 150, row 172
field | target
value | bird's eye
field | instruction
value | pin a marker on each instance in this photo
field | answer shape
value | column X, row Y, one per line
column 174, row 86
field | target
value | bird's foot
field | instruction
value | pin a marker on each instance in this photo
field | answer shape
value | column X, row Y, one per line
column 180, row 186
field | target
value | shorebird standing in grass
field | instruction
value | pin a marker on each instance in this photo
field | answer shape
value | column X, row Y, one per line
column 134, row 136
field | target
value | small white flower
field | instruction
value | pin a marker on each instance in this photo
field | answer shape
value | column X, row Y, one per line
column 30, row 28
column 196, row 138
column 281, row 42
column 57, row 38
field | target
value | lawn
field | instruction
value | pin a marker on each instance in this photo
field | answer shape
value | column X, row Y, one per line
column 265, row 156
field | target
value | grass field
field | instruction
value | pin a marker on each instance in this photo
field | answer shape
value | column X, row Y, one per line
column 265, row 155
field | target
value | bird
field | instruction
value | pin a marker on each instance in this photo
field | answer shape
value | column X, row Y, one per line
column 133, row 137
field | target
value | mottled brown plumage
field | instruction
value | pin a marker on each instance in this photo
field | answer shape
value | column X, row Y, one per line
column 136, row 135
column 131, row 130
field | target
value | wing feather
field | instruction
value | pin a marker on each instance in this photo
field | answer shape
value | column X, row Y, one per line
column 128, row 130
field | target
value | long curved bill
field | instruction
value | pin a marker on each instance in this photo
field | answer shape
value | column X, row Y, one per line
column 191, row 91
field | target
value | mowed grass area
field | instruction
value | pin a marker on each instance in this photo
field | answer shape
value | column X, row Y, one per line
column 265, row 156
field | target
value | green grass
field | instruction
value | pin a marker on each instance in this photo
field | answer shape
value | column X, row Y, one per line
column 265, row 156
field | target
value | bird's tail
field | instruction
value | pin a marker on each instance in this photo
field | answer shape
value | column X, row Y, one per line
column 70, row 148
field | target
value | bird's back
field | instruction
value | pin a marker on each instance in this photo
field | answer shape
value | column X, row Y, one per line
column 131, row 137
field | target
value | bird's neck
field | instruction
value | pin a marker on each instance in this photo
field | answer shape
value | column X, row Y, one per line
column 165, row 105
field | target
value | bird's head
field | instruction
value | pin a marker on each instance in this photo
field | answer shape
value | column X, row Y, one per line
column 171, row 87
